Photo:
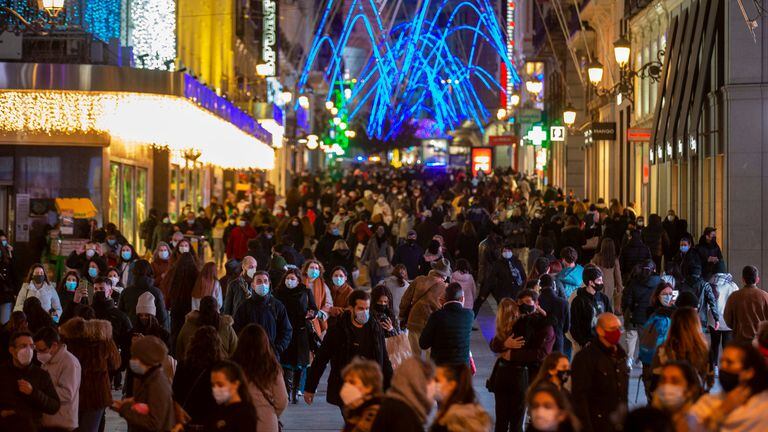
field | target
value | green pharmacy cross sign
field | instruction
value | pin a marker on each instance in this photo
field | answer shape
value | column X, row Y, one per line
column 536, row 135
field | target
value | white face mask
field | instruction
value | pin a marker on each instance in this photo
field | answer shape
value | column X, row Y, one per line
column 137, row 367
column 44, row 358
column 114, row 280
column 90, row 253
column 183, row 249
column 221, row 395
column 291, row 283
column 544, row 419
column 250, row 272
column 670, row 396
column 350, row 393
column 24, row 356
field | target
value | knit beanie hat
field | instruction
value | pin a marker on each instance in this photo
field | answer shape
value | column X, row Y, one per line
column 149, row 349
column 146, row 304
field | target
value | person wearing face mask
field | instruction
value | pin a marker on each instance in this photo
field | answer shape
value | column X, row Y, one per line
column 142, row 283
column 312, row 271
column 325, row 244
column 678, row 387
column 407, row 405
column 264, row 309
column 105, row 309
column 505, row 279
column 81, row 258
column 237, row 243
column 458, row 408
column 601, row 377
column 28, row 391
column 234, row 410
column 695, row 284
column 710, row 255
column 354, row 335
column 37, row 285
column 743, row 402
column 239, row 288
column 301, row 309
column 161, row 261
column 587, row 304
column 655, row 331
column 550, row 410
column 340, row 291
column 91, row 342
column 378, row 255
column 72, row 293
column 555, row 370
column 633, row 253
column 381, row 310
column 162, row 232
column 151, row 408
column 409, row 254
column 64, row 370
column 361, row 394
column 448, row 330
column 635, row 301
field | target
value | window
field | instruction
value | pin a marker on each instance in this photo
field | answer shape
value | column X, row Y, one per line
column 127, row 199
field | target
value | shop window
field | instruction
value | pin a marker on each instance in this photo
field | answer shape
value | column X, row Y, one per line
column 127, row 199
column 114, row 193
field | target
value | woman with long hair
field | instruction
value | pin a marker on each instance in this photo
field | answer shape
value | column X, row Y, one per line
column 340, row 291
column 263, row 376
column 458, row 408
column 207, row 284
column 37, row 285
column 161, row 261
column 125, row 262
column 300, row 306
column 463, row 276
column 685, row 342
column 382, row 311
column 312, row 271
column 234, row 411
column 37, row 317
column 191, row 388
column 658, row 323
column 179, row 283
column 550, row 410
column 505, row 376
column 207, row 315
column 466, row 244
column 608, row 261
column 555, row 370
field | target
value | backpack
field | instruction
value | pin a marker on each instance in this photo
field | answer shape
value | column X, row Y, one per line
column 652, row 335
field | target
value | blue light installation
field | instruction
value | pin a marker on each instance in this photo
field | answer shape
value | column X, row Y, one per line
column 101, row 18
column 420, row 68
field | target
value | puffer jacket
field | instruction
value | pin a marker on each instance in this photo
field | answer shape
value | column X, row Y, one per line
column 91, row 342
column 636, row 299
column 463, row 418
column 226, row 334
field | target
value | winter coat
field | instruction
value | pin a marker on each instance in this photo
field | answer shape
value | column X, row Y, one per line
column 558, row 312
column 130, row 297
column 408, row 254
column 633, row 254
column 506, row 278
column 192, row 390
column 613, row 286
column 191, row 324
column 268, row 413
column 91, row 342
column 421, row 299
column 467, row 283
column 237, row 243
column 600, row 385
column 269, row 313
column 463, row 418
column 706, row 251
column 585, row 308
column 724, row 286
column 361, row 418
column 154, row 390
column 121, row 324
column 656, row 239
column 47, row 294
column 297, row 301
column 375, row 254
column 637, row 298
column 65, row 372
column 447, row 333
column 571, row 278
column 393, row 284
column 467, row 248
column 338, row 349
column 161, row 233
column 339, row 258
column 703, row 292
column 238, row 291
column 573, row 236
column 396, row 415
column 658, row 323
column 745, row 310
column 29, row 409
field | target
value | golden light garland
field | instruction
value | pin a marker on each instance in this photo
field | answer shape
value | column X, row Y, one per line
column 137, row 118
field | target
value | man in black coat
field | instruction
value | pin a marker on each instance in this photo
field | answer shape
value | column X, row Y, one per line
column 695, row 284
column 448, row 329
column 634, row 253
column 556, row 308
column 710, row 254
column 353, row 335
column 408, row 254
column 601, row 378
column 264, row 309
column 28, row 391
column 505, row 279
column 588, row 304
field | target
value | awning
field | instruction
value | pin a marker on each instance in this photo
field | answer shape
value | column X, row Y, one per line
column 78, row 208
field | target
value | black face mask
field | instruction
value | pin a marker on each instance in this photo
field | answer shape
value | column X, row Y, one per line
column 380, row 308
column 599, row 287
column 99, row 297
column 728, row 380
column 38, row 279
column 526, row 308
column 563, row 376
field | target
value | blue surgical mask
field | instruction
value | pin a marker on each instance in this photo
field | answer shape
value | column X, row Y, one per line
column 684, row 249
column 335, row 231
column 126, row 255
column 164, row 254
column 111, row 242
column 507, row 255
column 71, row 285
column 93, row 272
column 262, row 290
column 666, row 299
column 5, row 243
column 361, row 317
column 339, row 280
column 313, row 274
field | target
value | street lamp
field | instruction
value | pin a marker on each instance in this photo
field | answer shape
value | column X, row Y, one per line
column 534, row 86
column 501, row 113
column 304, row 102
column 328, row 105
column 621, row 51
column 595, row 72
column 569, row 115
column 312, row 142
column 514, row 99
column 53, row 7
column 286, row 96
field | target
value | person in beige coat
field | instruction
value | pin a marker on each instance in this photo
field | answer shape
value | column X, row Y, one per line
column 65, row 371
column 608, row 261
column 421, row 299
column 207, row 315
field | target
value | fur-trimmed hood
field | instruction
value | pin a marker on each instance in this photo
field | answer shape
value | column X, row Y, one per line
column 78, row 328
column 194, row 316
column 466, row 418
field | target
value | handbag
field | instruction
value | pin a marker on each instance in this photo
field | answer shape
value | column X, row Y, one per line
column 312, row 336
column 398, row 348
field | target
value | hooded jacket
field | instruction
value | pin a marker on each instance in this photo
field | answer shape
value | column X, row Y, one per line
column 703, row 291
column 91, row 342
column 191, row 324
column 130, row 297
column 463, row 418
column 406, row 405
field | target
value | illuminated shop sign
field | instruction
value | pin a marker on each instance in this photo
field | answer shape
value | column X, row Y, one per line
column 269, row 37
column 482, row 160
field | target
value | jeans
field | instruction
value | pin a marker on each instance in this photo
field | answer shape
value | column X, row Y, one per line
column 89, row 421
column 510, row 397
column 719, row 338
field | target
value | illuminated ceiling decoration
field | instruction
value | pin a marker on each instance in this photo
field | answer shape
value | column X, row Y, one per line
column 101, row 18
column 425, row 65
column 152, row 33
column 136, row 118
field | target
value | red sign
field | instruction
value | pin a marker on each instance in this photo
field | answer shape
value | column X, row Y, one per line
column 499, row 140
column 637, row 134
column 482, row 160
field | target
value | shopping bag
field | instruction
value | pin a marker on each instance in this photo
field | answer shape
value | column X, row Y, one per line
column 398, row 348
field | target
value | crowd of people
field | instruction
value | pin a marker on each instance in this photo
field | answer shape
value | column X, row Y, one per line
column 380, row 273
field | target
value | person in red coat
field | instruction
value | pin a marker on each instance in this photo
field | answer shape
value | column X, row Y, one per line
column 237, row 244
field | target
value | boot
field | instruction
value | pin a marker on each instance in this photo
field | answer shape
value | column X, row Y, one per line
column 297, row 386
column 288, row 378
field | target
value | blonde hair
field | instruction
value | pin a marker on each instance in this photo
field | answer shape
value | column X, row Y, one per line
column 506, row 316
